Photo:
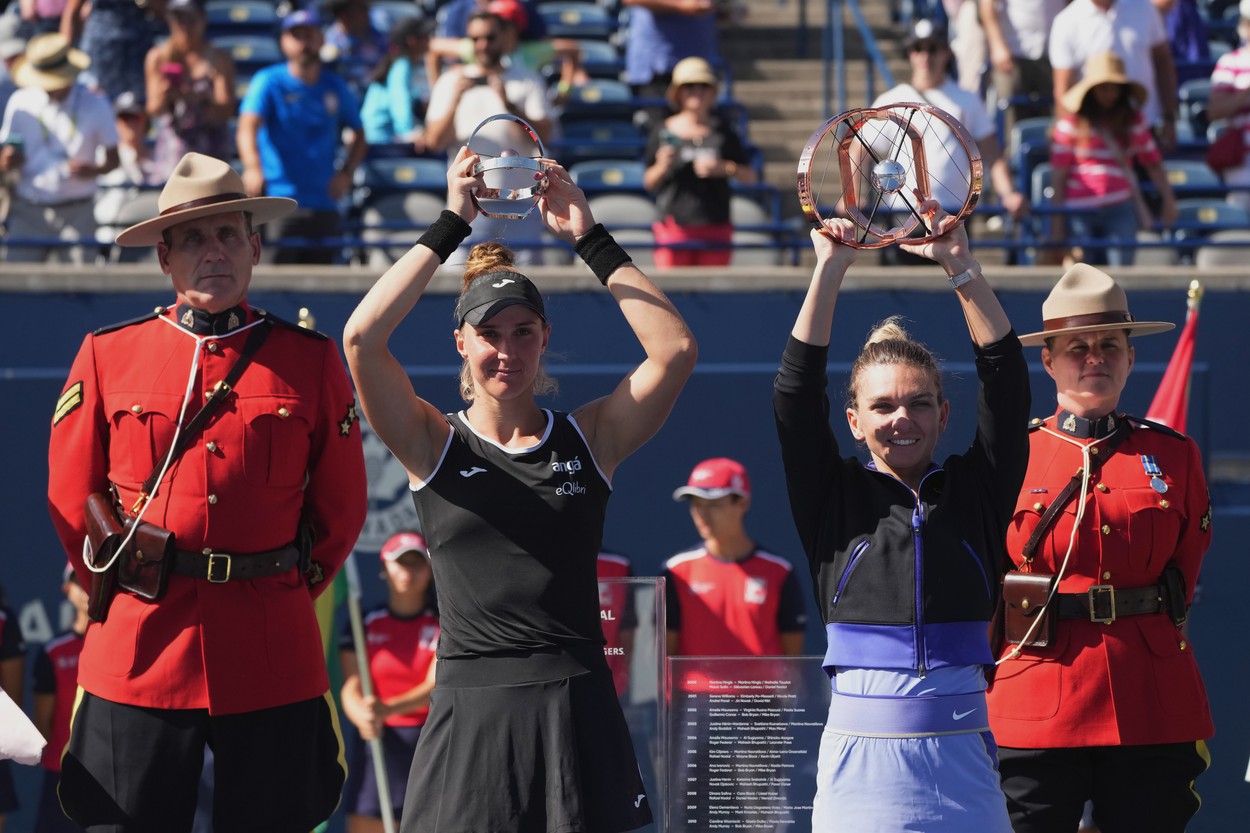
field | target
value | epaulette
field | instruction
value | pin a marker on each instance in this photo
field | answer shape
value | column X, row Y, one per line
column 109, row 328
column 1156, row 426
column 289, row 325
column 1036, row 423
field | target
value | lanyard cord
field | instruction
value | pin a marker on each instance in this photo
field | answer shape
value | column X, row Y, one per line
column 169, row 458
column 1016, row 650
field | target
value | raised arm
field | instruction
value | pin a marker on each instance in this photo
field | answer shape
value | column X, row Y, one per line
column 619, row 423
column 833, row 258
column 413, row 429
column 987, row 322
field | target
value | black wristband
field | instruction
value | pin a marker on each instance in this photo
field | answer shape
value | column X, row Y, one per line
column 445, row 235
column 601, row 253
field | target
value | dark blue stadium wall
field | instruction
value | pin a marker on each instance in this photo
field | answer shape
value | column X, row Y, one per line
column 726, row 410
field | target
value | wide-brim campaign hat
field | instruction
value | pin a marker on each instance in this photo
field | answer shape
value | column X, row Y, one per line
column 201, row 186
column 1085, row 300
column 692, row 70
column 50, row 63
column 1104, row 68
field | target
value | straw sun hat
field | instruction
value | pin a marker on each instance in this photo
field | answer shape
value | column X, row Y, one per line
column 691, row 70
column 1085, row 300
column 201, row 186
column 1105, row 68
column 50, row 63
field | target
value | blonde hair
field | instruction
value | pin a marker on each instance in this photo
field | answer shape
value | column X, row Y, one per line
column 887, row 344
column 493, row 257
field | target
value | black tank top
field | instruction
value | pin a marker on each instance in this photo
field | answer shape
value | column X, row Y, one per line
column 513, row 537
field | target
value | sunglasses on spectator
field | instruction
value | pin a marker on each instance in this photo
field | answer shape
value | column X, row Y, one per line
column 696, row 86
column 488, row 38
column 932, row 47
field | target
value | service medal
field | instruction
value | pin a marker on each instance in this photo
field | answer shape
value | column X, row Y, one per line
column 1151, row 466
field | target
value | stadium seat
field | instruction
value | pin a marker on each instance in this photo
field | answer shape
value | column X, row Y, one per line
column 1194, row 95
column 577, row 20
column 240, row 17
column 630, row 217
column 1226, row 253
column 1028, row 146
column 600, row 98
column 1192, row 178
column 389, row 175
column 600, row 59
column 608, row 139
column 118, row 208
column 613, row 175
column 395, row 200
column 251, row 53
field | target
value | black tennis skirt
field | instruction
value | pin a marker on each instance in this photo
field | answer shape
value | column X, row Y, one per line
column 534, row 756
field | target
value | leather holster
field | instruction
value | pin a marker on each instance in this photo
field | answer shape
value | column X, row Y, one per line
column 1024, row 600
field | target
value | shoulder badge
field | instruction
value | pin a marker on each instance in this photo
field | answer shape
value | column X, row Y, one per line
column 1139, row 422
column 68, row 403
column 1204, row 523
column 289, row 325
column 109, row 328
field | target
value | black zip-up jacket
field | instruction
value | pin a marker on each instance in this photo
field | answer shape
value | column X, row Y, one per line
column 904, row 583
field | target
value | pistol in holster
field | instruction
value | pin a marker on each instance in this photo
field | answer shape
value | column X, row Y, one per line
column 143, row 565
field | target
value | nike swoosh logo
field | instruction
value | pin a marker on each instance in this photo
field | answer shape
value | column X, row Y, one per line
column 638, row 800
column 472, row 471
column 503, row 282
column 958, row 716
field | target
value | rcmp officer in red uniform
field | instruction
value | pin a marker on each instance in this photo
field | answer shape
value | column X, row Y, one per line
column 265, row 499
column 1112, row 709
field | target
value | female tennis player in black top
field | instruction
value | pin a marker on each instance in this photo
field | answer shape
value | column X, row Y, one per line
column 525, row 730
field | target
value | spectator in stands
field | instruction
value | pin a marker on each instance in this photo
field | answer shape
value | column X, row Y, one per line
column 1230, row 99
column 1186, row 35
column 39, row 17
column 116, row 35
column 929, row 55
column 136, row 161
column 455, row 16
column 661, row 33
column 290, row 124
column 393, row 112
column 968, row 43
column 1094, row 145
column 400, row 639
column 464, row 96
column 521, row 46
column 728, row 596
column 60, row 136
column 190, row 89
column 1017, row 32
column 11, row 48
column 354, row 44
column 1133, row 29
column 691, row 159
column 56, row 684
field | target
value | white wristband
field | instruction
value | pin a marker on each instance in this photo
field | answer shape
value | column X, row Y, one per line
column 963, row 277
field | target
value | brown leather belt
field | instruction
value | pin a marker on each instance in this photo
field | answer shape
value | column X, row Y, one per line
column 220, row 567
column 1104, row 603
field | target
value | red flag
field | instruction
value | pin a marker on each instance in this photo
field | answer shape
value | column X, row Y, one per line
column 1171, row 402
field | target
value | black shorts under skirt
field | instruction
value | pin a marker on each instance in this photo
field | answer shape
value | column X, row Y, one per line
column 547, row 756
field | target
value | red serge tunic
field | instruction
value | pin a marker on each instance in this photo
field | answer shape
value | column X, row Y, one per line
column 1134, row 681
column 284, row 445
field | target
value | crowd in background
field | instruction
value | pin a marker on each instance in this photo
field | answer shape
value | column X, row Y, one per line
column 408, row 79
